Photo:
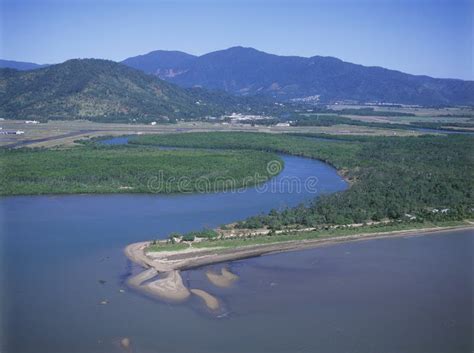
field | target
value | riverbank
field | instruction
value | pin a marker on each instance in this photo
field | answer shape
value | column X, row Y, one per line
column 100, row 169
column 169, row 263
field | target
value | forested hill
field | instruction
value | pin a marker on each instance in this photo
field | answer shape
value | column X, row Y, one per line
column 106, row 91
column 246, row 71
column 19, row 65
column 162, row 63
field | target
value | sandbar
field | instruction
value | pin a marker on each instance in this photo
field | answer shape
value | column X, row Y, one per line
column 224, row 279
column 210, row 301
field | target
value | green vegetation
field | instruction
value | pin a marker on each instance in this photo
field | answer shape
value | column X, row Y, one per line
column 455, row 126
column 205, row 233
column 156, row 246
column 105, row 91
column 321, row 233
column 369, row 111
column 331, row 120
column 391, row 176
column 317, row 119
column 125, row 169
column 338, row 154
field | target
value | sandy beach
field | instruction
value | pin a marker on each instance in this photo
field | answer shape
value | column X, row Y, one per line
column 167, row 264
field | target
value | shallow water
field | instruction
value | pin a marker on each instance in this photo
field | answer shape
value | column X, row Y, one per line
column 56, row 249
column 410, row 294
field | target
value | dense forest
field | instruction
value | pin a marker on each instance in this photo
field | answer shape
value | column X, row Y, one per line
column 128, row 169
column 366, row 111
column 316, row 119
column 105, row 91
column 428, row 177
column 247, row 71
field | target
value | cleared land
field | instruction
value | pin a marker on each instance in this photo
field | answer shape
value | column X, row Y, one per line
column 64, row 133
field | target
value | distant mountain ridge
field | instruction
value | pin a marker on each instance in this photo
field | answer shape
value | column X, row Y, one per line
column 161, row 63
column 103, row 90
column 247, row 71
column 20, row 65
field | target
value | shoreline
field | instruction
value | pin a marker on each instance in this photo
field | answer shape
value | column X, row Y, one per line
column 162, row 275
column 184, row 260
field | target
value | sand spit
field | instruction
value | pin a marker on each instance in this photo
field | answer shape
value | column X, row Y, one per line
column 137, row 280
column 224, row 279
column 169, row 286
column 210, row 301
column 136, row 253
column 168, row 264
column 188, row 259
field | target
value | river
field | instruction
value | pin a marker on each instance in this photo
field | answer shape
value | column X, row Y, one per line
column 61, row 256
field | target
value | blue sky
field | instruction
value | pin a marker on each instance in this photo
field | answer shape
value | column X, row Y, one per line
column 433, row 37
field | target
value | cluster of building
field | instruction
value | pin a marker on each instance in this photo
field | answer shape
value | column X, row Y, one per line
column 16, row 132
column 11, row 132
column 443, row 210
column 238, row 117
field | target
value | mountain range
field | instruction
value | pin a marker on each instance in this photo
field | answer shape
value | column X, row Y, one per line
column 242, row 72
column 247, row 71
column 19, row 65
column 103, row 90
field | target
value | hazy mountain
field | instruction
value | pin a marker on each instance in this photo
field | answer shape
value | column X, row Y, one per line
column 246, row 71
column 19, row 65
column 101, row 90
column 161, row 62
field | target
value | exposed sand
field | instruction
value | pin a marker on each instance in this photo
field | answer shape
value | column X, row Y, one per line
column 186, row 260
column 224, row 279
column 210, row 301
column 136, row 253
column 137, row 280
column 171, row 287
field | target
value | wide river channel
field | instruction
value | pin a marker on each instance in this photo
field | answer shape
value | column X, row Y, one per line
column 62, row 256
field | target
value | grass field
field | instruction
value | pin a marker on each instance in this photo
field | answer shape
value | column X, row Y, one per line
column 55, row 133
column 308, row 235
